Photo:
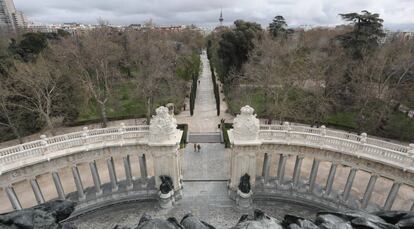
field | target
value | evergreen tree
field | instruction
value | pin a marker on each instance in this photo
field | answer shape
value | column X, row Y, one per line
column 278, row 27
column 366, row 34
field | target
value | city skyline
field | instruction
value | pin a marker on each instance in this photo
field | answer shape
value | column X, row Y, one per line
column 396, row 14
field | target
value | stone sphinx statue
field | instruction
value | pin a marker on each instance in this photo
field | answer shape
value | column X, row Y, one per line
column 244, row 185
column 166, row 184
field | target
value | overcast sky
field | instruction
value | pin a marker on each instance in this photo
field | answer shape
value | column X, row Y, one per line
column 398, row 14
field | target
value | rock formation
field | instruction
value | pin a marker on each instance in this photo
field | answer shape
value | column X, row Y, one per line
column 45, row 216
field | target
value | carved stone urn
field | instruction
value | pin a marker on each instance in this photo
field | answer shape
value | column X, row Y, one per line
column 163, row 128
column 246, row 127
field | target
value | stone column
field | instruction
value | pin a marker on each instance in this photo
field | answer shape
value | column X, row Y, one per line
column 11, row 194
column 78, row 183
column 96, row 178
column 128, row 173
column 313, row 175
column 368, row 191
column 349, row 182
column 330, row 180
column 164, row 142
column 246, row 142
column 58, row 185
column 296, row 172
column 37, row 192
column 392, row 195
column 266, row 167
column 143, row 166
column 112, row 174
column 281, row 169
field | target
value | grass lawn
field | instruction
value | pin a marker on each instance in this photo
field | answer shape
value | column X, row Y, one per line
column 122, row 103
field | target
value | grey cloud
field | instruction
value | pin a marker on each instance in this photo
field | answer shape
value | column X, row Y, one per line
column 206, row 12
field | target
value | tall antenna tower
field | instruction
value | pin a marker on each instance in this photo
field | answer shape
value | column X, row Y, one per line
column 221, row 18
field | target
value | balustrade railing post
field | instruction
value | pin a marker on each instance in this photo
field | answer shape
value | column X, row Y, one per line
column 411, row 153
column 36, row 190
column 14, row 200
column 85, row 137
column 323, row 134
column 287, row 129
column 44, row 144
column 121, row 132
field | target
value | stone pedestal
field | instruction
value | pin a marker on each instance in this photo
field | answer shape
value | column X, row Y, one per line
column 166, row 200
column 244, row 201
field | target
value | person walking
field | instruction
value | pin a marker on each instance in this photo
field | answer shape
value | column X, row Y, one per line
column 198, row 148
column 195, row 147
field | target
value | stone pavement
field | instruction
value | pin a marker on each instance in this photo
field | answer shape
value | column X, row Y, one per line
column 205, row 117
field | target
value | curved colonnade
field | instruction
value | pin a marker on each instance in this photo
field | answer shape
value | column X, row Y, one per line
column 285, row 162
column 266, row 151
column 82, row 165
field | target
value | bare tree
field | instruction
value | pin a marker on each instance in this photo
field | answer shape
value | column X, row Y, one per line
column 35, row 87
column 6, row 112
column 95, row 58
column 155, row 60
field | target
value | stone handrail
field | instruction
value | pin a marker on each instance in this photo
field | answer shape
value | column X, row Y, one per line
column 359, row 145
column 45, row 146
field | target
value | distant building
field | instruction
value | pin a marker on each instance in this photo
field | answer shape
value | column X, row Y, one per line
column 10, row 18
column 221, row 19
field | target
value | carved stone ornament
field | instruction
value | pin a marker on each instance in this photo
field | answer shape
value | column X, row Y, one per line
column 163, row 126
column 246, row 125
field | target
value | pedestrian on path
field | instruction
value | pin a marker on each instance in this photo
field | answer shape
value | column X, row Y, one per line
column 198, row 82
column 198, row 148
column 195, row 147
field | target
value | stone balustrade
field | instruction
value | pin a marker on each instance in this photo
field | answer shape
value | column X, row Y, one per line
column 158, row 142
column 254, row 146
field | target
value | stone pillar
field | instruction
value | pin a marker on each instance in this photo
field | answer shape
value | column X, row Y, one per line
column 368, row 191
column 296, row 172
column 58, row 185
column 164, row 141
column 143, row 166
column 349, row 182
column 112, row 174
column 128, row 173
column 95, row 177
column 281, row 169
column 392, row 195
column 78, row 183
column 245, row 140
column 331, row 178
column 266, row 167
column 11, row 194
column 313, row 175
column 37, row 192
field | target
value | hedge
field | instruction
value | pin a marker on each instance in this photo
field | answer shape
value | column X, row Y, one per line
column 224, row 129
column 184, row 128
column 216, row 88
